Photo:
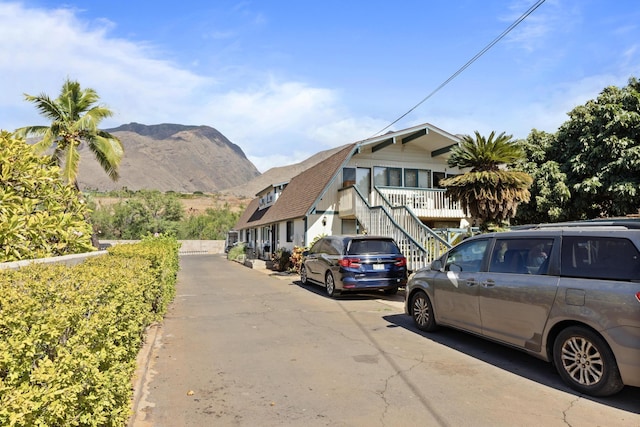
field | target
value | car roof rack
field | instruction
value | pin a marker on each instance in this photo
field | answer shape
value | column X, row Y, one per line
column 629, row 223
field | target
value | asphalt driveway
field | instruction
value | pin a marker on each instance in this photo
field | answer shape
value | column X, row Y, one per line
column 240, row 347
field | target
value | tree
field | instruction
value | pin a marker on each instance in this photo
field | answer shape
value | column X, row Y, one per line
column 489, row 191
column 74, row 119
column 598, row 149
column 550, row 195
column 40, row 215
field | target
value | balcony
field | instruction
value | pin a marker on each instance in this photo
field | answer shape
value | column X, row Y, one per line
column 425, row 203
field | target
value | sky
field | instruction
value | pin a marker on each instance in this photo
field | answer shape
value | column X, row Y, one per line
column 285, row 79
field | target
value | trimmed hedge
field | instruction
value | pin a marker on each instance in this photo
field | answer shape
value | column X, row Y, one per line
column 69, row 336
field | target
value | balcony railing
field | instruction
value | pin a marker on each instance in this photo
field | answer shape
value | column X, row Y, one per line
column 425, row 203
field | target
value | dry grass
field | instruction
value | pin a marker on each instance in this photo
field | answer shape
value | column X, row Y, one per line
column 194, row 204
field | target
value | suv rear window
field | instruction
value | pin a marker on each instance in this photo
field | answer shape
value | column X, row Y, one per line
column 600, row 258
column 371, row 246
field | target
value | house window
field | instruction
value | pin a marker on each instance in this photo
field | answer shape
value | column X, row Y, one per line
column 437, row 176
column 387, row 177
column 417, row 178
column 289, row 231
column 348, row 177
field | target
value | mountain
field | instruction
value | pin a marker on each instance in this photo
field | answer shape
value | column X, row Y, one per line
column 171, row 157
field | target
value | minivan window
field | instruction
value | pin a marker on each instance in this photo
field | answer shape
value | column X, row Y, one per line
column 466, row 256
column 371, row 246
column 521, row 256
column 599, row 258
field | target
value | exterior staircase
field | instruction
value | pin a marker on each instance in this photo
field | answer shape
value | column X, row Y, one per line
column 418, row 243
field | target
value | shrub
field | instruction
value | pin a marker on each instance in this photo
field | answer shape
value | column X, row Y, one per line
column 295, row 259
column 40, row 215
column 281, row 259
column 69, row 336
column 239, row 250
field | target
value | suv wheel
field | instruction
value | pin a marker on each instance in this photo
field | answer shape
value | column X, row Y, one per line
column 303, row 275
column 422, row 312
column 585, row 362
column 330, row 285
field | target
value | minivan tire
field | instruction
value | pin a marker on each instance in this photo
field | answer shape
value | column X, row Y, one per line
column 585, row 362
column 330, row 285
column 303, row 275
column 422, row 312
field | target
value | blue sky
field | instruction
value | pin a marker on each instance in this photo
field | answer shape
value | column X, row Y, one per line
column 284, row 79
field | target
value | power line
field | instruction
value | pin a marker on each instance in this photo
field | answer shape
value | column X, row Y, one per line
column 465, row 66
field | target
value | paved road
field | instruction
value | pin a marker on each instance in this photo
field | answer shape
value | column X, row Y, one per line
column 241, row 348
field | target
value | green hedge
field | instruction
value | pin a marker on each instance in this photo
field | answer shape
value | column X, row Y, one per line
column 69, row 336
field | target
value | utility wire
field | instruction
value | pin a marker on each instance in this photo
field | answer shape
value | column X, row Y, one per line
column 465, row 66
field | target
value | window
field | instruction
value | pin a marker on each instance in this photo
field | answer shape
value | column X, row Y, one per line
column 417, row 178
column 599, row 258
column 466, row 257
column 521, row 256
column 289, row 231
column 387, row 177
column 348, row 177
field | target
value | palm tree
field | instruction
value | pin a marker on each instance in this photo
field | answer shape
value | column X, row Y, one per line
column 74, row 119
column 489, row 191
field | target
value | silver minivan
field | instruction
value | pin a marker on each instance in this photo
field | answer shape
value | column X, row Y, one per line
column 568, row 294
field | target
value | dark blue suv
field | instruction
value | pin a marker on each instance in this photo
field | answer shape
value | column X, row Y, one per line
column 355, row 263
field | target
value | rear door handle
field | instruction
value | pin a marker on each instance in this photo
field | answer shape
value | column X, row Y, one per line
column 488, row 284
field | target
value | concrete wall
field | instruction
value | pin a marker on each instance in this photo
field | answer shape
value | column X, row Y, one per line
column 187, row 247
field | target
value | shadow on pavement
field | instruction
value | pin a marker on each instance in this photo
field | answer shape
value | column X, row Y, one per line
column 513, row 361
column 347, row 296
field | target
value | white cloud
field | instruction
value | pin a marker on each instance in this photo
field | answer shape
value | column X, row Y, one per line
column 40, row 48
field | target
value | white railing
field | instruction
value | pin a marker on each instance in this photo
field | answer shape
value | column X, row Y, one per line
column 430, row 203
column 420, row 248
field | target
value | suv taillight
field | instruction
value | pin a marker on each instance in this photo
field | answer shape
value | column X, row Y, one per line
column 350, row 262
column 638, row 296
column 400, row 261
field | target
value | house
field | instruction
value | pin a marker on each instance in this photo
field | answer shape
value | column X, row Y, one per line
column 386, row 185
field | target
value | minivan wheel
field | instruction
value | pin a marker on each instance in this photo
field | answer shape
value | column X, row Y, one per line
column 330, row 285
column 303, row 275
column 585, row 362
column 422, row 312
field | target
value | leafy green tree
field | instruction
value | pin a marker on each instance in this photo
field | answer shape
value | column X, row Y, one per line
column 146, row 212
column 40, row 215
column 488, row 192
column 75, row 118
column 550, row 195
column 213, row 225
column 598, row 149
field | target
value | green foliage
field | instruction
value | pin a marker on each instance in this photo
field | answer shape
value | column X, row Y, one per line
column 213, row 225
column 488, row 192
column 69, row 336
column 550, row 195
column 599, row 151
column 281, row 260
column 143, row 212
column 134, row 217
column 485, row 154
column 591, row 167
column 237, row 251
column 75, row 119
column 40, row 216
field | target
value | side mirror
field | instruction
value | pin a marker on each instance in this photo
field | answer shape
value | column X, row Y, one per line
column 305, row 253
column 436, row 265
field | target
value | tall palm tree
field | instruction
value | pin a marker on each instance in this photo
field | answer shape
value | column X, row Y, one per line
column 75, row 118
column 489, row 191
